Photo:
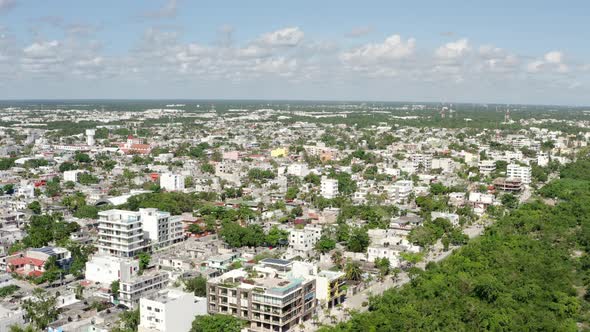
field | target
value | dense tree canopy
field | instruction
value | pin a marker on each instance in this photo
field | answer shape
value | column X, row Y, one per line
column 520, row 275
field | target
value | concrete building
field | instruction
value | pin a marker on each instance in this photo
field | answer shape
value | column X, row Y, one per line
column 514, row 171
column 267, row 297
column 106, row 269
column 329, row 187
column 172, row 182
column 421, row 162
column 298, row 169
column 389, row 252
column 90, row 137
column 126, row 233
column 401, row 190
column 170, row 310
column 137, row 287
column 302, row 241
column 487, row 166
column 120, row 233
column 72, row 175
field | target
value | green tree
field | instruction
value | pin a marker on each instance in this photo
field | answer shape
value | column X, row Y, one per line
column 35, row 206
column 216, row 323
column 325, row 244
column 41, row 309
column 197, row 285
column 353, row 271
column 115, row 285
column 144, row 260
column 358, row 240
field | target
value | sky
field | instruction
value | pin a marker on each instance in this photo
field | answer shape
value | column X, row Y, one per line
column 516, row 52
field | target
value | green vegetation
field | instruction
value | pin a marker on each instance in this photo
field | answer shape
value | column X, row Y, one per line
column 8, row 290
column 197, row 285
column 216, row 323
column 40, row 310
column 522, row 274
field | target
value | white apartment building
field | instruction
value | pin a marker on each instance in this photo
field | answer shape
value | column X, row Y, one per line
column 126, row 233
column 400, row 191
column 170, row 310
column 422, row 162
column 452, row 217
column 302, row 241
column 160, row 228
column 72, row 175
column 542, row 159
column 514, row 171
column 137, row 287
column 172, row 182
column 120, row 233
column 389, row 252
column 487, row 166
column 329, row 187
column 298, row 169
column 106, row 269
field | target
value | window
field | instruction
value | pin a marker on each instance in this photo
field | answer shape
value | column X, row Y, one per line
column 149, row 308
column 157, row 310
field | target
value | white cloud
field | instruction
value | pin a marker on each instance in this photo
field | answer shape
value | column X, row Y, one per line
column 393, row 48
column 552, row 62
column 554, row 57
column 285, row 37
column 453, row 50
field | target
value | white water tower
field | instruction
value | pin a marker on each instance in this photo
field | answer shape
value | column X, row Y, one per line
column 90, row 136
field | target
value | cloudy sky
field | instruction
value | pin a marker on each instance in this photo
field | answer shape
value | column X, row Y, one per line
column 443, row 51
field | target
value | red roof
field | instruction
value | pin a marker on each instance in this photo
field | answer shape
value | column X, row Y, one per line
column 35, row 273
column 26, row 261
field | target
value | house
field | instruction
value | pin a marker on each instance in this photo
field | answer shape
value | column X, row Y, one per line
column 32, row 262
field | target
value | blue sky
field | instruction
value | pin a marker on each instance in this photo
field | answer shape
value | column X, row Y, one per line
column 500, row 51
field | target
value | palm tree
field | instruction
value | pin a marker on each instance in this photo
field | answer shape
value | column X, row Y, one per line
column 353, row 271
column 337, row 258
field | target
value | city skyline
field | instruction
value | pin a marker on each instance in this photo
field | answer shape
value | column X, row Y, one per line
column 380, row 51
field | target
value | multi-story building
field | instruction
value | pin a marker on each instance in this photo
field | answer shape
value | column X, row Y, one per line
column 298, row 169
column 267, row 296
column 137, row 287
column 329, row 187
column 330, row 285
column 120, row 233
column 514, row 171
column 172, row 182
column 487, row 166
column 106, row 269
column 126, row 233
column 422, row 162
column 170, row 310
column 401, row 190
column 392, row 253
column 302, row 241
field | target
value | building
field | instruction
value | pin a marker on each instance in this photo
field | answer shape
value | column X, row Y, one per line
column 401, row 190
column 487, row 166
column 134, row 146
column 279, row 152
column 452, row 217
column 172, row 182
column 120, row 233
column 302, row 241
column 330, row 285
column 329, row 187
column 90, row 137
column 136, row 287
column 298, row 169
column 268, row 297
column 523, row 173
column 421, row 162
column 126, row 233
column 170, row 310
column 389, row 252
column 72, row 175
column 32, row 262
column 106, row 269
column 508, row 184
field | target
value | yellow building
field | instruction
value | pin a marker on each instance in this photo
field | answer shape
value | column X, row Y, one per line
column 279, row 152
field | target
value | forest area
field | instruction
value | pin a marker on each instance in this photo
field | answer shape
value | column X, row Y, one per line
column 530, row 271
